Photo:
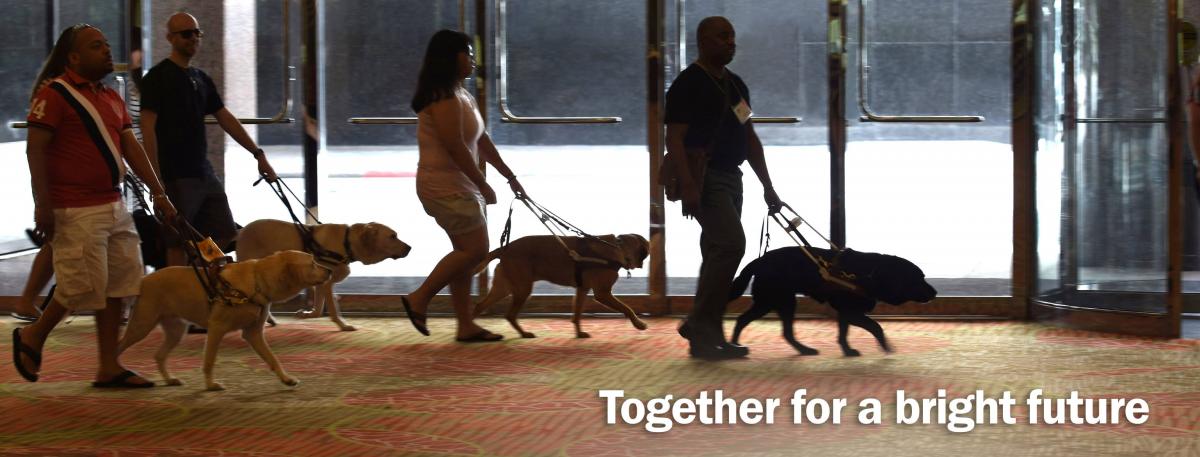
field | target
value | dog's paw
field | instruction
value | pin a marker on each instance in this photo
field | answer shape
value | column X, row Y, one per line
column 582, row 335
column 173, row 382
column 305, row 314
column 805, row 350
column 851, row 352
column 290, row 381
column 214, row 387
column 528, row 335
column 638, row 324
column 346, row 327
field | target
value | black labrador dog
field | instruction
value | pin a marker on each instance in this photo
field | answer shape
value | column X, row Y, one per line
column 782, row 273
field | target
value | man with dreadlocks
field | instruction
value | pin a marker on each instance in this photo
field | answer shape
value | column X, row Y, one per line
column 80, row 137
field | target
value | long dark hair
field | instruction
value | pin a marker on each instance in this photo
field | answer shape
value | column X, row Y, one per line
column 439, row 71
column 56, row 63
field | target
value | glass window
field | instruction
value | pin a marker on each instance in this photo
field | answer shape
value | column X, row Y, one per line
column 938, row 194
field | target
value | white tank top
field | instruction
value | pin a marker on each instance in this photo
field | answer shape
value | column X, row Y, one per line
column 437, row 174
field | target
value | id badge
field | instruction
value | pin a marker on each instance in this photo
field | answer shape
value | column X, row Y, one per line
column 742, row 110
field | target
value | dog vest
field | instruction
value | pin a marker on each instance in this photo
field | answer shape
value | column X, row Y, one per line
column 585, row 250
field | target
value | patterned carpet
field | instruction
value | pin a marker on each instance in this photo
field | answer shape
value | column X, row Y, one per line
column 386, row 390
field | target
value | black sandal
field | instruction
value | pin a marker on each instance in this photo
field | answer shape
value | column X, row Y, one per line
column 417, row 319
column 121, row 381
column 20, row 348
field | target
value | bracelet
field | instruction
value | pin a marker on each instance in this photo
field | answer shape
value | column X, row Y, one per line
column 511, row 178
column 257, row 153
column 159, row 194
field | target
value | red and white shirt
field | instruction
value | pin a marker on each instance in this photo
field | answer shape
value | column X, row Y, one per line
column 81, row 173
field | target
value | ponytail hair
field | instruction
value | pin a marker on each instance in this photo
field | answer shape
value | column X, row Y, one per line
column 56, row 63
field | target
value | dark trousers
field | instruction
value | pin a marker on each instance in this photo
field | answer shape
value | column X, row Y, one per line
column 722, row 245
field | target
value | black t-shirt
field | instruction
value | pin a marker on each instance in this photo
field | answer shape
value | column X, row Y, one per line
column 181, row 97
column 706, row 105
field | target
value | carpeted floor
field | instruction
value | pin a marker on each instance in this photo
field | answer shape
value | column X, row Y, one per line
column 386, row 390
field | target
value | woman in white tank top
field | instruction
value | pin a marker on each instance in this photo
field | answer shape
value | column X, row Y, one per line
column 452, row 140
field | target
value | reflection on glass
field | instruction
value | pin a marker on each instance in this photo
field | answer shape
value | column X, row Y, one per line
column 1111, row 180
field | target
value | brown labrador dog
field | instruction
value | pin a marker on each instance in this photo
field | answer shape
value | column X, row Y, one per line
column 542, row 258
column 367, row 243
column 173, row 296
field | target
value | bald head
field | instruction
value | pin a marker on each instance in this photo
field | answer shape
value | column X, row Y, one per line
column 181, row 21
column 712, row 24
column 715, row 40
column 183, row 32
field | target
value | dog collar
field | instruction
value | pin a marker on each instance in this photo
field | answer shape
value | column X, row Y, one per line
column 346, row 245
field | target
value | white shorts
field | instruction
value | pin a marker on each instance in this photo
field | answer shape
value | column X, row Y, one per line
column 97, row 255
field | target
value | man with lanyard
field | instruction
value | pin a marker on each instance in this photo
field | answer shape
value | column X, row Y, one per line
column 80, row 137
column 175, row 99
column 708, row 109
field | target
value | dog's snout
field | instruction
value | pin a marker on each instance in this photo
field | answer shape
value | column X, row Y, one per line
column 928, row 294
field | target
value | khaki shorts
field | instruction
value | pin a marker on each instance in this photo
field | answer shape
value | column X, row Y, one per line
column 456, row 214
column 97, row 255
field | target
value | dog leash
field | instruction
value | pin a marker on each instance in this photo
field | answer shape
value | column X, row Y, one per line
column 306, row 236
column 203, row 255
column 558, row 227
column 792, row 229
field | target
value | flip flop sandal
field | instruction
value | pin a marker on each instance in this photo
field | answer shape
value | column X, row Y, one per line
column 121, row 381
column 417, row 319
column 482, row 336
column 21, row 348
column 22, row 317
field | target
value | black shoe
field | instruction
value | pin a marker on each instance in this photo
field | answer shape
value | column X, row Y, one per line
column 719, row 351
column 194, row 330
column 684, row 331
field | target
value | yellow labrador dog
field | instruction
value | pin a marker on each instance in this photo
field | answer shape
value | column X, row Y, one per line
column 367, row 243
column 534, row 258
column 173, row 295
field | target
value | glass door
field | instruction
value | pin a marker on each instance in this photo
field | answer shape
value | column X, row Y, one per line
column 781, row 55
column 372, row 54
column 928, row 158
column 1108, row 167
column 567, row 110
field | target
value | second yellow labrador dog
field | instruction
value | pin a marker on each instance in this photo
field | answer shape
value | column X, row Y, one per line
column 534, row 258
column 174, row 296
column 367, row 243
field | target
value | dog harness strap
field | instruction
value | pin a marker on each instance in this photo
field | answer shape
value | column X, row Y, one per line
column 586, row 252
column 346, row 245
column 324, row 255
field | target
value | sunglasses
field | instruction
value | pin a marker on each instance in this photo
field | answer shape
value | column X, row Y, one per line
column 187, row 34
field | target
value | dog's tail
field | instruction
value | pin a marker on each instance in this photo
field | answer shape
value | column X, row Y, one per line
column 486, row 260
column 739, row 285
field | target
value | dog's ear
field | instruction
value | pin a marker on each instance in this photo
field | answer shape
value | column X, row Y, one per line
column 370, row 238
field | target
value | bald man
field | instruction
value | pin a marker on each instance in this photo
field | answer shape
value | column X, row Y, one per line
column 708, row 112
column 175, row 98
